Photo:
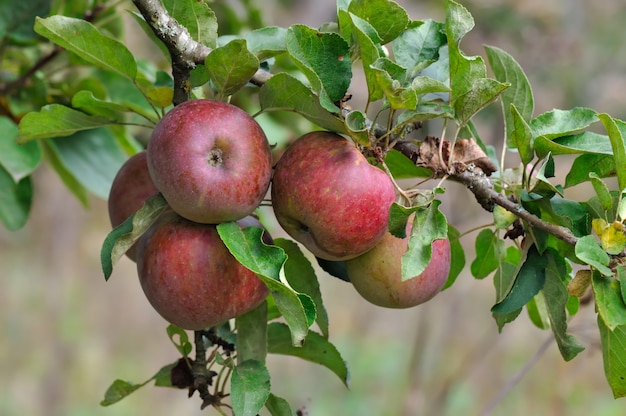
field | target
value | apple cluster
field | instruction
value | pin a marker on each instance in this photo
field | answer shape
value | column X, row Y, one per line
column 328, row 197
column 212, row 163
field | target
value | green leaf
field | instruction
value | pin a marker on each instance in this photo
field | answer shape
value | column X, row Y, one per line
column 231, row 66
column 603, row 166
column 419, row 45
column 122, row 237
column 439, row 70
column 465, row 72
column 538, row 312
column 197, row 17
column 482, row 93
column 398, row 217
column 250, row 388
column 85, row 40
column 617, row 131
column 277, row 406
column 574, row 214
column 609, row 301
column 267, row 261
column 252, row 334
column 519, row 96
column 15, row 200
column 180, row 339
column 357, row 126
column 120, row 388
column 503, row 218
column 589, row 251
column 286, row 93
column 248, row 248
column 585, row 142
column 323, row 58
column 334, row 268
column 429, row 224
column 387, row 76
column 93, row 157
column 543, row 186
column 457, row 256
column 423, row 112
column 86, row 101
column 489, row 249
column 386, row 17
column 124, row 91
column 613, row 342
column 401, row 167
column 595, row 209
column 267, row 42
column 620, row 273
column 56, row 120
column 529, row 280
column 556, row 293
column 16, row 19
column 301, row 277
column 18, row 160
column 425, row 85
column 520, row 135
column 316, row 349
column 558, row 123
column 368, row 49
column 503, row 280
column 602, row 191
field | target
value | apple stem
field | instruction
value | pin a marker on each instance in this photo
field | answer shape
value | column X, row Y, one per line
column 400, row 191
column 200, row 371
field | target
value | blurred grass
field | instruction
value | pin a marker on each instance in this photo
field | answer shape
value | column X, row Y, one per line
column 66, row 334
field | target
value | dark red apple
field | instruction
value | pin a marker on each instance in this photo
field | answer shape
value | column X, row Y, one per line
column 210, row 160
column 131, row 186
column 377, row 274
column 328, row 197
column 190, row 277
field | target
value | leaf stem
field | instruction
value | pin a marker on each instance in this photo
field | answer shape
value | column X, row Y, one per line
column 404, row 195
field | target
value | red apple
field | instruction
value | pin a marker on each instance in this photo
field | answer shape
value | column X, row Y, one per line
column 377, row 274
column 189, row 276
column 210, row 160
column 131, row 186
column 328, row 197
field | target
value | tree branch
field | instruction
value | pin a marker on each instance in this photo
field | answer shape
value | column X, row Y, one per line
column 475, row 179
column 186, row 53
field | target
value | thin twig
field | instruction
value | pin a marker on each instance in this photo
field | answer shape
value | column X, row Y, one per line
column 517, row 377
column 481, row 186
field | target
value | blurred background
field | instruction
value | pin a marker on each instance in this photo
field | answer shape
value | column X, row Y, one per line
column 66, row 334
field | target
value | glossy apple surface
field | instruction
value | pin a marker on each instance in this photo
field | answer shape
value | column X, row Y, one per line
column 377, row 274
column 189, row 276
column 210, row 160
column 328, row 197
column 131, row 186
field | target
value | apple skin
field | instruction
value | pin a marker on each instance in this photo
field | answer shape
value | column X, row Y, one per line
column 189, row 276
column 210, row 160
column 130, row 188
column 377, row 274
column 328, row 197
